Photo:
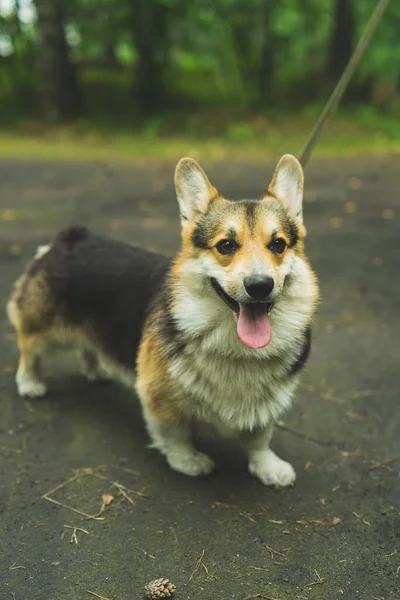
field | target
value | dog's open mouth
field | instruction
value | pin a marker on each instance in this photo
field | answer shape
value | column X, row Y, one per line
column 253, row 325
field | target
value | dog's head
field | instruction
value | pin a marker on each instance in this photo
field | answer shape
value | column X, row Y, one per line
column 246, row 248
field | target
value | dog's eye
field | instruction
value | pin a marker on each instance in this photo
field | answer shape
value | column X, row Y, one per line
column 227, row 247
column 277, row 246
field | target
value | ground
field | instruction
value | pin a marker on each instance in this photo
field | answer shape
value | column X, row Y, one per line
column 334, row 535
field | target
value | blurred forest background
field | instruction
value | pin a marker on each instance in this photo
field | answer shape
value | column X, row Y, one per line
column 236, row 69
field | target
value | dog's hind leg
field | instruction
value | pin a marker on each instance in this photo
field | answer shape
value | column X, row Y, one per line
column 91, row 367
column 28, row 378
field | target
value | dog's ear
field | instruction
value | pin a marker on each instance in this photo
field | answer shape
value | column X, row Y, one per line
column 287, row 185
column 193, row 190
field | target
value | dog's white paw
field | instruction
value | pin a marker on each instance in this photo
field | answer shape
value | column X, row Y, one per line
column 271, row 470
column 29, row 387
column 191, row 463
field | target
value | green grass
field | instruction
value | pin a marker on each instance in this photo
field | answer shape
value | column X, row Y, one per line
column 360, row 134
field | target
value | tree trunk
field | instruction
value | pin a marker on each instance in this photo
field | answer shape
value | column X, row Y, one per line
column 266, row 70
column 342, row 38
column 60, row 94
column 150, row 37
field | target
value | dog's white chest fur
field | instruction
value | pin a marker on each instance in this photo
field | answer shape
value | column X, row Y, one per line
column 230, row 388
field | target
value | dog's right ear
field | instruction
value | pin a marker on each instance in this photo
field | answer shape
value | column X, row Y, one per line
column 193, row 190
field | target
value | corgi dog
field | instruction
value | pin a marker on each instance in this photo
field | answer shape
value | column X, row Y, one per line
column 218, row 335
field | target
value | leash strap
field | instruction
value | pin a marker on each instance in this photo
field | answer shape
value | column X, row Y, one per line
column 343, row 82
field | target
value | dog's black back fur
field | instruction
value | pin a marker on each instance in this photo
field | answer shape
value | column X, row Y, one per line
column 105, row 284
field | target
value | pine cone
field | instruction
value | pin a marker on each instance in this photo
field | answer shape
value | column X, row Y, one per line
column 159, row 588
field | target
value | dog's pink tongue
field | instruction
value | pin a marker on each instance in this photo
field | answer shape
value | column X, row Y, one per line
column 253, row 327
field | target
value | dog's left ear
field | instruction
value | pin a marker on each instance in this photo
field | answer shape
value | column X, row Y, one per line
column 193, row 190
column 287, row 185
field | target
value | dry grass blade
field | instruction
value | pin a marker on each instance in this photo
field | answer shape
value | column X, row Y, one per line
column 272, row 551
column 122, row 490
column 260, row 596
column 74, row 537
column 305, row 436
column 61, row 485
column 76, row 528
column 318, row 582
column 80, row 473
column 15, row 566
column 75, row 510
column 97, row 595
column 199, row 564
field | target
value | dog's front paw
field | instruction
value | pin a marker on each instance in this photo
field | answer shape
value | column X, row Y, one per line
column 191, row 463
column 30, row 388
column 271, row 470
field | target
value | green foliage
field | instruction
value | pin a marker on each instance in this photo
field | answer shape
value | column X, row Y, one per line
column 235, row 58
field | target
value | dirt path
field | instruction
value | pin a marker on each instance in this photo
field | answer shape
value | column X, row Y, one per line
column 337, row 531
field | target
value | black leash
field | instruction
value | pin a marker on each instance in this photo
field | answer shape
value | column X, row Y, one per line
column 343, row 82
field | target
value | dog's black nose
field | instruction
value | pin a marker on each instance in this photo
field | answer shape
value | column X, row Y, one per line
column 258, row 287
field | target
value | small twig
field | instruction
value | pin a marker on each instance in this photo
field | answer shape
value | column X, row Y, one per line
column 359, row 517
column 305, row 436
column 78, row 474
column 260, row 596
column 77, row 529
column 199, row 564
column 378, row 464
column 259, row 569
column 74, row 537
column 250, row 516
column 126, row 470
column 319, row 581
column 59, row 487
column 97, row 595
column 15, row 566
column 272, row 551
column 122, row 488
column 145, row 553
column 71, row 508
column 245, row 515
column 124, row 494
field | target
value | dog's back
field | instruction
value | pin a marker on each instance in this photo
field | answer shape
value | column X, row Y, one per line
column 89, row 285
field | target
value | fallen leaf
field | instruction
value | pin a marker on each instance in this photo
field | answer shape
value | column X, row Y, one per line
column 107, row 499
column 307, row 465
column 323, row 501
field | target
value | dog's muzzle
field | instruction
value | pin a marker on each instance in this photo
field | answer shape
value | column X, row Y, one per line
column 233, row 304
